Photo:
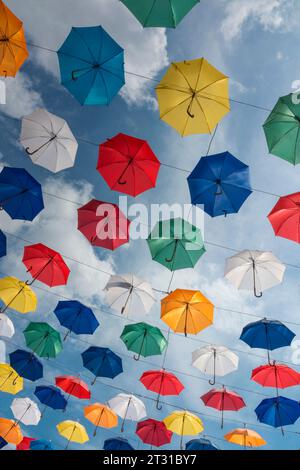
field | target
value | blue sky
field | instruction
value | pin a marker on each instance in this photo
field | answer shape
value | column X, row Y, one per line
column 255, row 43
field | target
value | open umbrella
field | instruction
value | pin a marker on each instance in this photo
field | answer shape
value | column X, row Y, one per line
column 3, row 443
column 10, row 381
column 153, row 432
column 48, row 140
column 73, row 432
column 43, row 339
column 17, row 295
column 26, row 365
column 91, row 65
column 41, row 444
column 223, row 400
column 20, row 194
column 25, row 443
column 245, row 437
column 102, row 362
column 285, row 217
column 101, row 416
column 275, row 375
column 73, row 386
column 128, row 294
column 215, row 360
column 10, row 431
column 254, row 270
column 103, row 224
column 117, row 444
column 45, row 265
column 193, row 97
column 176, row 244
column 26, row 411
column 13, row 49
column 50, row 397
column 143, row 339
column 3, row 248
column 200, row 444
column 7, row 329
column 75, row 316
column 221, row 183
column 183, row 423
column 127, row 407
column 161, row 382
column 278, row 411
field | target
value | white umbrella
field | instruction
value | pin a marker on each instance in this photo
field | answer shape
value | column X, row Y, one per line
column 48, row 140
column 128, row 407
column 215, row 360
column 254, row 270
column 129, row 294
column 6, row 326
column 26, row 411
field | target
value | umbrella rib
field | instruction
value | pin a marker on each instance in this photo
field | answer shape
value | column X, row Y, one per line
column 281, row 137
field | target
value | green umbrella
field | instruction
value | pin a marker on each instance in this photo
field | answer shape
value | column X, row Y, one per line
column 282, row 130
column 144, row 339
column 160, row 13
column 176, row 244
column 43, row 339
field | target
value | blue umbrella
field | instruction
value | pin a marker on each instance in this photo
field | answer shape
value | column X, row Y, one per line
column 117, row 444
column 50, row 396
column 26, row 364
column 41, row 444
column 278, row 411
column 20, row 194
column 221, row 183
column 91, row 65
column 3, row 443
column 76, row 317
column 2, row 244
column 102, row 362
column 200, row 444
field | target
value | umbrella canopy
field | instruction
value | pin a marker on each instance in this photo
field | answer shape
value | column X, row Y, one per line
column 46, row 265
column 223, row 400
column 193, row 97
column 43, row 339
column 10, row 381
column 183, row 423
column 187, row 311
column 176, row 244
column 118, row 444
column 75, row 316
column 103, row 224
column 128, row 294
column 275, row 375
column 3, row 443
column 278, row 411
column 102, row 362
column 41, row 444
column 199, row 444
column 282, row 130
column 285, row 217
column 215, row 360
column 26, row 411
column 128, row 407
column 245, row 437
column 26, row 365
column 10, row 431
column 17, row 295
column 91, row 65
column 254, row 270
column 50, row 396
column 221, row 183
column 73, row 386
column 25, row 443
column 161, row 382
column 73, row 432
column 128, row 164
column 101, row 416
column 3, row 250
column 7, row 329
column 13, row 49
column 153, row 432
column 48, row 140
column 143, row 339
column 20, row 194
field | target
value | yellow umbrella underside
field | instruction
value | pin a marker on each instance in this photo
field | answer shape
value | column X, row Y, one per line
column 10, row 380
column 17, row 295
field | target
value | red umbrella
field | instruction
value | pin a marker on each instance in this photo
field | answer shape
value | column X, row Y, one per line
column 73, row 386
column 223, row 400
column 275, row 375
column 25, row 443
column 153, row 432
column 285, row 217
column 103, row 224
column 162, row 383
column 128, row 164
column 46, row 265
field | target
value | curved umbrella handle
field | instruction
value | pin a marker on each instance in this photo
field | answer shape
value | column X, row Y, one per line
column 94, row 381
column 189, row 113
column 73, row 75
column 257, row 295
column 169, row 260
column 158, row 406
column 212, row 381
column 121, row 182
column 137, row 357
column 218, row 193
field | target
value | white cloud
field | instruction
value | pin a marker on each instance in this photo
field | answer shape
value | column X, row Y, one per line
column 21, row 98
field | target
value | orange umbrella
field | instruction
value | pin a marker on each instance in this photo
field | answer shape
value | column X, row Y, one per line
column 13, row 49
column 10, row 431
column 245, row 437
column 187, row 311
column 101, row 416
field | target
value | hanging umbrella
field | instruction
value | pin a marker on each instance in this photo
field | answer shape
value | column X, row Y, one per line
column 73, row 386
column 285, row 217
column 50, row 396
column 17, row 295
column 102, row 362
column 128, row 407
column 221, row 183
column 223, row 400
column 254, row 270
column 3, row 443
column 73, row 432
column 13, row 49
column 245, row 437
column 10, row 381
column 91, row 65
column 7, row 329
column 48, row 140
column 41, row 444
column 128, row 294
column 275, row 375
column 75, row 316
column 101, row 416
column 183, row 423
column 161, row 382
column 128, row 164
column 187, row 311
column 278, row 411
column 176, row 244
column 20, row 194
column 25, row 443
column 117, row 444
column 200, row 444
column 10, row 431
column 46, row 265
column 143, row 339
column 3, row 247
column 282, row 130
column 26, row 411
column 26, row 365
column 153, row 432
column 193, row 97
column 103, row 224
column 215, row 360
column 43, row 339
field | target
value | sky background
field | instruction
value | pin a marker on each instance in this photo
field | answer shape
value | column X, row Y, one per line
column 255, row 43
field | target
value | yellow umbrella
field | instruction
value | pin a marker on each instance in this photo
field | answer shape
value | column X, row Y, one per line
column 17, row 294
column 10, row 380
column 245, row 437
column 193, row 97
column 73, row 431
column 101, row 415
column 183, row 423
column 187, row 311
column 10, row 431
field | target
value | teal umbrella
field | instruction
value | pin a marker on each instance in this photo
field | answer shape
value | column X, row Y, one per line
column 143, row 339
column 43, row 339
